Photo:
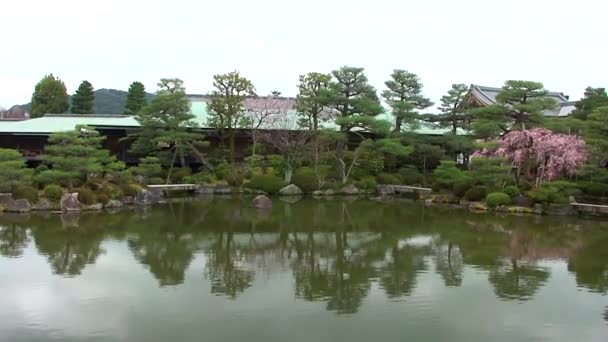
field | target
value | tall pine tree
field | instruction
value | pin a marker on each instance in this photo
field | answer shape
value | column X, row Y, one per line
column 136, row 98
column 166, row 126
column 355, row 103
column 519, row 105
column 452, row 110
column 313, row 89
column 50, row 96
column 404, row 96
column 83, row 99
column 226, row 109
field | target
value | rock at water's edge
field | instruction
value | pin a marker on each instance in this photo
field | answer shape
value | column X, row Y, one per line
column 262, row 202
column 70, row 202
column 18, row 206
column 290, row 190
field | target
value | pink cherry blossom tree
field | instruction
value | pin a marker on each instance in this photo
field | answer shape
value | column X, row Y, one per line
column 552, row 155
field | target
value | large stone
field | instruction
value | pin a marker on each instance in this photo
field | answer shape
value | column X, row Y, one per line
column 349, row 190
column 318, row 193
column 559, row 210
column 95, row 206
column 224, row 190
column 128, row 200
column 70, row 202
column 329, row 192
column 205, row 190
column 144, row 197
column 385, row 190
column 538, row 209
column 45, row 205
column 478, row 206
column 5, row 199
column 262, row 202
column 157, row 195
column 521, row 201
column 18, row 206
column 114, row 204
column 290, row 190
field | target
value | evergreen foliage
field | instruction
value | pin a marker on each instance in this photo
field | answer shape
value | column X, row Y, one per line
column 226, row 108
column 136, row 98
column 83, row 99
column 50, row 96
column 404, row 96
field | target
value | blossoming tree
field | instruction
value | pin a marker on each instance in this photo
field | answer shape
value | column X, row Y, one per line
column 550, row 155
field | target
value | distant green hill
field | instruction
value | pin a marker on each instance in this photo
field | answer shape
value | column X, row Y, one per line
column 107, row 101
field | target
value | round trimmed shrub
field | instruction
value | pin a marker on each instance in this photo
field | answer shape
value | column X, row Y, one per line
column 410, row 175
column 306, row 179
column 86, row 196
column 26, row 192
column 367, row 183
column 595, row 189
column 496, row 199
column 475, row 194
column 111, row 191
column 512, row 191
column 268, row 183
column 53, row 192
column 178, row 175
column 460, row 188
column 388, row 178
column 130, row 189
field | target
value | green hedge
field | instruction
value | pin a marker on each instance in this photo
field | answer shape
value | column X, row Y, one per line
column 496, row 199
column 306, row 179
column 53, row 192
column 476, row 193
column 512, row 191
column 267, row 183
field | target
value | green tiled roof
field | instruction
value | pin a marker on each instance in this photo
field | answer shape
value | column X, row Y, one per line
column 51, row 123
column 61, row 123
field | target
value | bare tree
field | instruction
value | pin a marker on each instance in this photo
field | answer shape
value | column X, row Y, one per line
column 264, row 111
column 288, row 139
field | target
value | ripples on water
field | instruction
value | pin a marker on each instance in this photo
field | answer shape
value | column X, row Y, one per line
column 313, row 270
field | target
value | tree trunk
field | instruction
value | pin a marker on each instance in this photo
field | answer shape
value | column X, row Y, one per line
column 171, row 167
column 340, row 167
column 424, row 171
column 182, row 158
column 232, row 146
column 398, row 123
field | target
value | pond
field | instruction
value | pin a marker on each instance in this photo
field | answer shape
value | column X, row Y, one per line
column 214, row 269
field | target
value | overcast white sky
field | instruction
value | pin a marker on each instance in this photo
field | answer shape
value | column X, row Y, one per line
column 114, row 42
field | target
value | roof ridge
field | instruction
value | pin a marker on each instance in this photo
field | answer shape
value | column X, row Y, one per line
column 68, row 115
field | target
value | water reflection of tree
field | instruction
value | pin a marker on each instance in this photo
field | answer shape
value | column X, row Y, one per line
column 449, row 263
column 590, row 263
column 68, row 250
column 163, row 242
column 13, row 239
column 223, row 267
column 401, row 268
column 513, row 281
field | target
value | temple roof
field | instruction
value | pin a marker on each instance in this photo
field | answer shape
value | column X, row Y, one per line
column 486, row 96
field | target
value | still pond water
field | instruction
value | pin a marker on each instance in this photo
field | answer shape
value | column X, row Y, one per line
column 316, row 270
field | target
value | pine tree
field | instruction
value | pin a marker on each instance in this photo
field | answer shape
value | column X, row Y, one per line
column 404, row 96
column 13, row 171
column 83, row 99
column 226, row 109
column 313, row 89
column 75, row 155
column 452, row 109
column 519, row 105
column 356, row 104
column 50, row 96
column 594, row 98
column 166, row 126
column 136, row 98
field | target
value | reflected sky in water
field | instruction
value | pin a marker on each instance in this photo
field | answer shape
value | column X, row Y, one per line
column 315, row 270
